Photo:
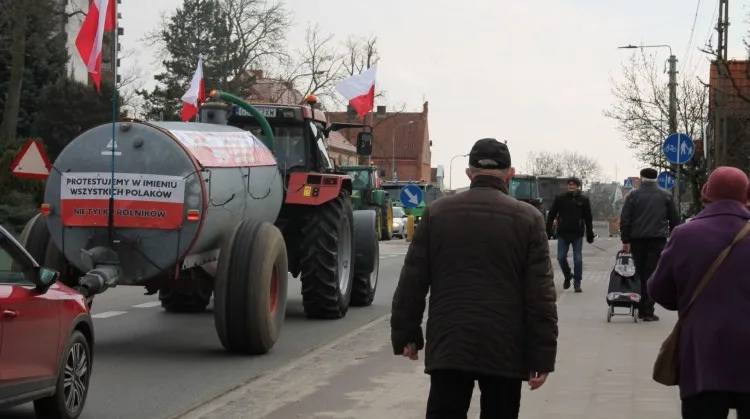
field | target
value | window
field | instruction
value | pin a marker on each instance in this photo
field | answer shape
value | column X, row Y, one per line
column 14, row 265
column 341, row 160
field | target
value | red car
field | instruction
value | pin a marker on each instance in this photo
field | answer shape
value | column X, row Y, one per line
column 46, row 337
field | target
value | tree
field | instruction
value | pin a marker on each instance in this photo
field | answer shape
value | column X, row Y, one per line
column 565, row 163
column 641, row 111
column 69, row 108
column 33, row 54
column 233, row 36
column 601, row 196
column 317, row 67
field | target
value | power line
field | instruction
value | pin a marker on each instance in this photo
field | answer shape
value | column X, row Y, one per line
column 688, row 52
column 709, row 37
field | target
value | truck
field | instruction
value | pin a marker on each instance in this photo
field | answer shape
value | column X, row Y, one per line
column 191, row 210
column 526, row 188
column 429, row 192
column 367, row 194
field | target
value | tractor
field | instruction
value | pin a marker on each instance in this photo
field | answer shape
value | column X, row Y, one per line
column 367, row 194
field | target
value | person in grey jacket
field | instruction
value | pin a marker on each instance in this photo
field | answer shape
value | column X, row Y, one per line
column 648, row 218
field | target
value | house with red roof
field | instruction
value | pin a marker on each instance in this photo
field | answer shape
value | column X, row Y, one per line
column 400, row 136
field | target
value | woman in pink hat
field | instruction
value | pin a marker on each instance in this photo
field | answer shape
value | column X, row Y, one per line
column 714, row 347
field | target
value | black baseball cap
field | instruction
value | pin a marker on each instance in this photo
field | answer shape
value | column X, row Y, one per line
column 488, row 153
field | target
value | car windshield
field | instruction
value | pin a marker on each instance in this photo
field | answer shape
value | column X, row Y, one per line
column 398, row 212
column 523, row 188
column 289, row 144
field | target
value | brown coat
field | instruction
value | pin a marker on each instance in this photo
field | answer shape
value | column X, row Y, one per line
column 484, row 258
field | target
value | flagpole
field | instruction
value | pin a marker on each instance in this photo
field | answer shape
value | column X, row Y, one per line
column 111, row 212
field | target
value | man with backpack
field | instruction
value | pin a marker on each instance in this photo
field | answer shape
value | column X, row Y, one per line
column 573, row 213
column 648, row 217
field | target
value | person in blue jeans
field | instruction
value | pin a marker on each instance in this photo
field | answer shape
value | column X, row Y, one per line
column 573, row 212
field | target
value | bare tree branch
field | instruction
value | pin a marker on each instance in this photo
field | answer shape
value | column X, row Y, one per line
column 565, row 163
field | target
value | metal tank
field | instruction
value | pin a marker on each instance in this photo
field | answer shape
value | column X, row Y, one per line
column 180, row 188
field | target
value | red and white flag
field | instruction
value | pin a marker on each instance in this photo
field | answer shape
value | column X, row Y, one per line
column 359, row 90
column 195, row 95
column 100, row 18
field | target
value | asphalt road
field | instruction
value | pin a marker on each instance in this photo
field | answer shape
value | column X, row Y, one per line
column 152, row 365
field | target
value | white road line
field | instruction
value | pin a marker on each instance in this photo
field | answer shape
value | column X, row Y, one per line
column 148, row 305
column 107, row 314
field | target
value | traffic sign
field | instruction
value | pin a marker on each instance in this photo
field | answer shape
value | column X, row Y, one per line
column 666, row 180
column 627, row 184
column 678, row 148
column 411, row 196
column 31, row 162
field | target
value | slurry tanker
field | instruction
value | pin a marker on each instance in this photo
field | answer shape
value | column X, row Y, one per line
column 209, row 208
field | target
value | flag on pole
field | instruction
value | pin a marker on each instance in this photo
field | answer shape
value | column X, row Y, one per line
column 195, row 95
column 359, row 90
column 99, row 19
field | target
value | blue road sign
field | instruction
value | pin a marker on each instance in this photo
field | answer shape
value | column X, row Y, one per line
column 627, row 183
column 411, row 196
column 666, row 180
column 678, row 148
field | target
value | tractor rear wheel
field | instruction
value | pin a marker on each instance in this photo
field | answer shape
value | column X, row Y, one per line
column 365, row 282
column 251, row 284
column 327, row 259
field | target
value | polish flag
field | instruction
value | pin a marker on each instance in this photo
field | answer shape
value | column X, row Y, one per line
column 195, row 95
column 99, row 19
column 359, row 90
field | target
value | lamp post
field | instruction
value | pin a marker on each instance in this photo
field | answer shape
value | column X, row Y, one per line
column 672, row 106
column 393, row 141
column 450, row 169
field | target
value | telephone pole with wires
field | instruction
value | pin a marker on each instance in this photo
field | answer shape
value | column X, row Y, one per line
column 719, row 148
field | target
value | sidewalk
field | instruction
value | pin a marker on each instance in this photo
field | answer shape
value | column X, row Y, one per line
column 603, row 370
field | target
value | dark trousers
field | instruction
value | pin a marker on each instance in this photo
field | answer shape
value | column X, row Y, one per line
column 451, row 391
column 563, row 244
column 646, row 253
column 716, row 405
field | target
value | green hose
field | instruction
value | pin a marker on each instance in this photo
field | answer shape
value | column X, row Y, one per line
column 218, row 94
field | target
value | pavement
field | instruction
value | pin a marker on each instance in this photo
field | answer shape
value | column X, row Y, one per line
column 603, row 369
column 154, row 365
column 150, row 364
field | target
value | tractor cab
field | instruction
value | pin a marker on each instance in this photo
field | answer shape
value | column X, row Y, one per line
column 300, row 133
column 526, row 188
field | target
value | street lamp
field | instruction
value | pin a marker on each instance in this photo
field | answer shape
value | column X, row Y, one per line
column 672, row 105
column 450, row 169
column 393, row 141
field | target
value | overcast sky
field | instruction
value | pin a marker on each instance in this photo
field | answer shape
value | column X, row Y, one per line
column 534, row 72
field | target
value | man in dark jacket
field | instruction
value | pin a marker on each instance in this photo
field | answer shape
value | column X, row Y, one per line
column 648, row 217
column 573, row 213
column 484, row 258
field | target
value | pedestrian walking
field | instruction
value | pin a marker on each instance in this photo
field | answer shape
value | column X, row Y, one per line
column 573, row 213
column 647, row 219
column 483, row 256
column 714, row 338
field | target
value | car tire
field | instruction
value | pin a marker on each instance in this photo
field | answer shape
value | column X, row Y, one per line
column 74, row 376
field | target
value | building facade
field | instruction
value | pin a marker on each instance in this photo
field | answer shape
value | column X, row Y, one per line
column 77, row 70
column 402, row 138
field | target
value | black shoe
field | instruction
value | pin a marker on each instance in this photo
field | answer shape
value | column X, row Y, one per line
column 577, row 288
column 566, row 283
column 651, row 318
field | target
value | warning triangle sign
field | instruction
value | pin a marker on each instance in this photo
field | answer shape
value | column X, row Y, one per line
column 31, row 162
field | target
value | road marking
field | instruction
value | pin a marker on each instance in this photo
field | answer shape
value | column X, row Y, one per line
column 107, row 314
column 148, row 305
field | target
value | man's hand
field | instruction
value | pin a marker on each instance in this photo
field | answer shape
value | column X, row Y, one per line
column 537, row 379
column 590, row 238
column 626, row 248
column 411, row 352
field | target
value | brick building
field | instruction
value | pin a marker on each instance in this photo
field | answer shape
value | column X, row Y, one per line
column 729, row 111
column 272, row 90
column 403, row 136
column 341, row 151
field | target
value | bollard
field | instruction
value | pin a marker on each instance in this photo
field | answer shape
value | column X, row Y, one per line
column 409, row 227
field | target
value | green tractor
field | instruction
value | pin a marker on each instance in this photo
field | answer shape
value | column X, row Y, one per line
column 367, row 194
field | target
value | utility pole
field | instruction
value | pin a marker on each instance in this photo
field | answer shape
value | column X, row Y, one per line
column 673, row 121
column 719, row 131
